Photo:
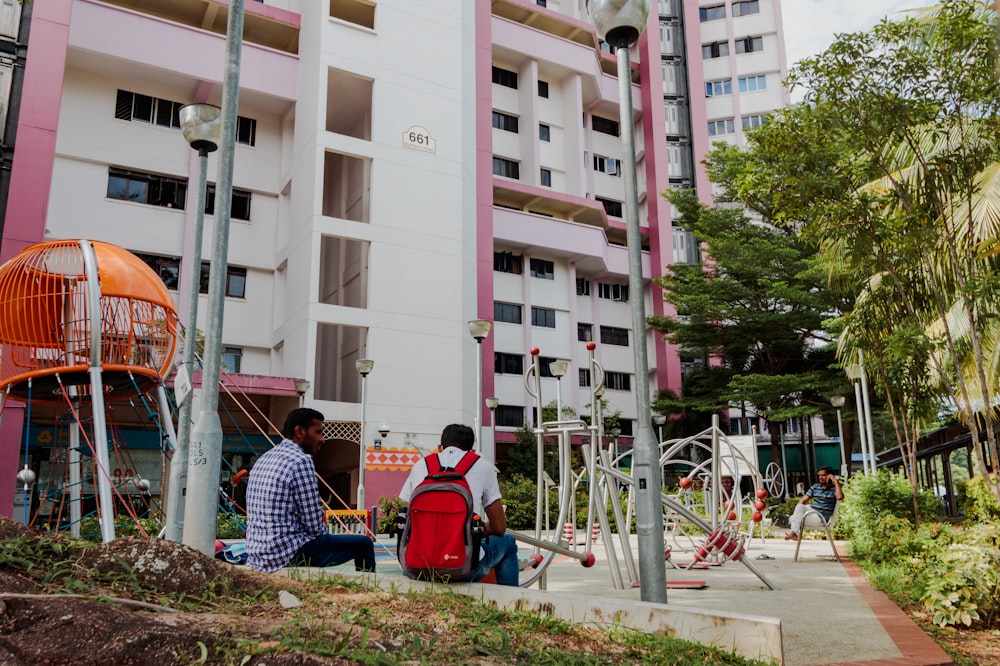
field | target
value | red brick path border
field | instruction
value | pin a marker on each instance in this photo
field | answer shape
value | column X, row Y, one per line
column 917, row 647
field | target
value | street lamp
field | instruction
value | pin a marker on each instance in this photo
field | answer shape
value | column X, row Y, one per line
column 493, row 403
column 363, row 366
column 619, row 23
column 302, row 387
column 205, row 453
column 201, row 126
column 838, row 402
column 479, row 329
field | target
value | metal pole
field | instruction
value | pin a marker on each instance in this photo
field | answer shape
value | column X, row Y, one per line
column 205, row 455
column 179, row 460
column 868, row 409
column 861, row 426
column 361, row 444
column 93, row 300
column 479, row 397
column 843, row 451
column 648, row 512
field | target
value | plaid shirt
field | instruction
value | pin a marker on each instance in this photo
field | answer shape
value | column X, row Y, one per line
column 283, row 506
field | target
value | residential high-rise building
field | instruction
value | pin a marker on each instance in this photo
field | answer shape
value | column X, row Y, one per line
column 400, row 169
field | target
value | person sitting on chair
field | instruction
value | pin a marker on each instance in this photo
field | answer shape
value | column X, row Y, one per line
column 823, row 496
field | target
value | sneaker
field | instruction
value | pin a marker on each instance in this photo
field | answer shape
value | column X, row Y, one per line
column 791, row 536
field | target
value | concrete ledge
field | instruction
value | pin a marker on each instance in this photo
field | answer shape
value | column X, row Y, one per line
column 750, row 636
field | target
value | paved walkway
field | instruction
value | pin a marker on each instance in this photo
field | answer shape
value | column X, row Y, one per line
column 828, row 612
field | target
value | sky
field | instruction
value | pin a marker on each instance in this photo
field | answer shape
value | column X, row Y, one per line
column 810, row 25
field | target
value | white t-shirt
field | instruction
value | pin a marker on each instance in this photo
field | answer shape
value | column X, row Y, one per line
column 481, row 477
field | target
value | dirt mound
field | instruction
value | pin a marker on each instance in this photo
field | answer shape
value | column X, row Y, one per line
column 170, row 567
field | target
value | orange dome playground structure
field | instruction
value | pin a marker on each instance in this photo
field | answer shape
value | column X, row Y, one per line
column 84, row 321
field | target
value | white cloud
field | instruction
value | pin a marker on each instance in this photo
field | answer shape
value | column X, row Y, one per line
column 810, row 26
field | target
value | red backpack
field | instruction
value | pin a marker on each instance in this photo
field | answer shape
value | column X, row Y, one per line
column 439, row 532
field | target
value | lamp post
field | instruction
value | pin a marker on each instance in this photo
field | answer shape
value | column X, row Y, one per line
column 201, row 125
column 620, row 22
column 615, row 433
column 838, row 402
column 493, row 403
column 205, row 453
column 363, row 366
column 302, row 387
column 479, row 329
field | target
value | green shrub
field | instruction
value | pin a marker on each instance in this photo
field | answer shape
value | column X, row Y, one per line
column 868, row 496
column 963, row 579
column 520, row 501
column 229, row 526
column 388, row 508
column 980, row 504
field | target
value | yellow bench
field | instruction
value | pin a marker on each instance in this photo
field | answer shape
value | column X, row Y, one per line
column 347, row 521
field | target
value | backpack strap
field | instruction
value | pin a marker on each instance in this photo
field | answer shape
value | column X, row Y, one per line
column 433, row 464
column 466, row 463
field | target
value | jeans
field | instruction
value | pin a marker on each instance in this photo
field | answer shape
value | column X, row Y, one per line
column 331, row 549
column 499, row 553
column 806, row 517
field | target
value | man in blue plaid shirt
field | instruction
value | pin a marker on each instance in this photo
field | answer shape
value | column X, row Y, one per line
column 286, row 523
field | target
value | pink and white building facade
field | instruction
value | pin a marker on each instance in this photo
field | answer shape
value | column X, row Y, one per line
column 400, row 169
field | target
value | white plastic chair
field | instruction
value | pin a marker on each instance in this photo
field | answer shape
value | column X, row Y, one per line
column 815, row 521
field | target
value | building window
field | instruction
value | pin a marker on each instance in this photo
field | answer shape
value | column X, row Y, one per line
column 543, row 365
column 541, row 268
column 545, row 175
column 755, row 120
column 505, row 77
column 714, row 50
column 744, row 8
column 544, row 317
column 239, row 204
column 721, row 87
column 232, row 359
column 752, row 83
column 507, row 312
column 721, row 127
column 582, row 287
column 506, row 168
column 612, row 335
column 543, row 88
column 612, row 292
column 236, row 280
column 609, row 165
column 146, row 188
column 584, row 377
column 246, row 131
column 585, row 332
column 168, row 268
column 505, row 122
column 712, row 13
column 611, row 207
column 542, row 3
column 605, row 126
column 507, row 262
column 510, row 416
column 145, row 109
column 618, row 381
column 544, row 132
column 625, row 425
column 749, row 45
column 508, row 364
column 138, row 108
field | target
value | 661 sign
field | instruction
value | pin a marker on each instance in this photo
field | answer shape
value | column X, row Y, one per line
column 418, row 138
